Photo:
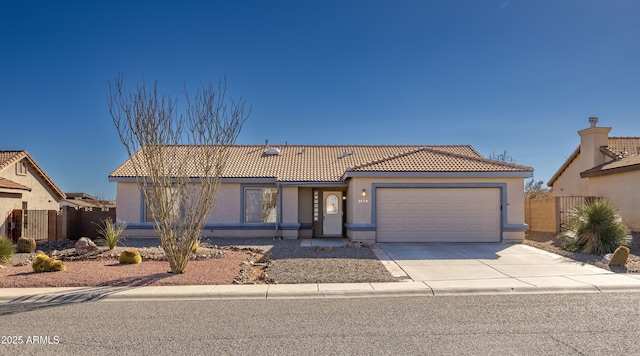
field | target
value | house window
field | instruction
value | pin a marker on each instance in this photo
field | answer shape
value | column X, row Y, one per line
column 21, row 168
column 174, row 209
column 260, row 205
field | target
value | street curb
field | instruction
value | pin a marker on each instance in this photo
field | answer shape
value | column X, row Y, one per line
column 361, row 290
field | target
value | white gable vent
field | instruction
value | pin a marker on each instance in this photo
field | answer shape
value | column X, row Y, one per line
column 272, row 151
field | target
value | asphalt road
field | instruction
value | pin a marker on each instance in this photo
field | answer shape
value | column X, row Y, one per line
column 558, row 324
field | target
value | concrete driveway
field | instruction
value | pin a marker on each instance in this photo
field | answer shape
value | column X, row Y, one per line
column 493, row 265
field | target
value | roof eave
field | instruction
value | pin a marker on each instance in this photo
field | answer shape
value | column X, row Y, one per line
column 387, row 174
column 48, row 181
column 598, row 171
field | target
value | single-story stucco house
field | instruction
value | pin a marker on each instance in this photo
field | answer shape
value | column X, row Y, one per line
column 401, row 193
column 603, row 166
column 25, row 187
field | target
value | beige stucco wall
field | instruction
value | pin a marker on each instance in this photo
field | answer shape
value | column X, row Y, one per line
column 623, row 189
column 289, row 204
column 39, row 198
column 569, row 182
column 128, row 202
column 226, row 208
column 305, row 210
column 297, row 207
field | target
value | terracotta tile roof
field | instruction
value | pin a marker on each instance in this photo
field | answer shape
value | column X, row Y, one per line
column 9, row 184
column 434, row 160
column 7, row 158
column 620, row 147
column 328, row 163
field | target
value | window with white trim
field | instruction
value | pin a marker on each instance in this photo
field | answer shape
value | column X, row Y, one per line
column 260, row 205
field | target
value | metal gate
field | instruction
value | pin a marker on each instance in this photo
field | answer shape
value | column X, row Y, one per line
column 35, row 223
column 568, row 203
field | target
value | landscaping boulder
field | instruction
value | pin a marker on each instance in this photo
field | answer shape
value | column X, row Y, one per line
column 85, row 245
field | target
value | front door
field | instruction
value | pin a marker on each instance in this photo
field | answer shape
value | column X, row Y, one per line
column 332, row 213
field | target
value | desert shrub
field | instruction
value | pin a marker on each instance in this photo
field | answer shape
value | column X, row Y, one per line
column 595, row 228
column 26, row 245
column 6, row 250
column 111, row 231
column 44, row 263
column 130, row 256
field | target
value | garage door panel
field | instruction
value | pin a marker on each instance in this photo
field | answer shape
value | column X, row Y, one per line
column 438, row 214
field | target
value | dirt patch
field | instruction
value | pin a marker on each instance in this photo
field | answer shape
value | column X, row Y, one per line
column 108, row 272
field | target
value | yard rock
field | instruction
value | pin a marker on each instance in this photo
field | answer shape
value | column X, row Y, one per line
column 359, row 244
column 85, row 245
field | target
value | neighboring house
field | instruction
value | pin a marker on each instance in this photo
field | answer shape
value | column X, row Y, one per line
column 24, row 186
column 86, row 201
column 603, row 166
column 366, row 193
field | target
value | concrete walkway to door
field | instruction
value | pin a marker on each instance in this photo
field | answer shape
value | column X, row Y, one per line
column 486, row 267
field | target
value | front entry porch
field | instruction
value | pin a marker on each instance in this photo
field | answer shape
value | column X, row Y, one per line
column 329, row 213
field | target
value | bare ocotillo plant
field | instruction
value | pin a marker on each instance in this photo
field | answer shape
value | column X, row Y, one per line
column 178, row 158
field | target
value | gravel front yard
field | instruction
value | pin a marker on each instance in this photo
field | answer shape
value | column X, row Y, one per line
column 219, row 261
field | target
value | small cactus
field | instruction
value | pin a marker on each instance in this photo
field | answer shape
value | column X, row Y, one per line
column 26, row 245
column 44, row 263
column 620, row 256
column 130, row 256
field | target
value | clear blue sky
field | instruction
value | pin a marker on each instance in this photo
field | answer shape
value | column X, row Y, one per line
column 521, row 76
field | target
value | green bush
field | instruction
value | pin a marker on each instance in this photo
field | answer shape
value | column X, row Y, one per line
column 6, row 250
column 596, row 229
column 111, row 231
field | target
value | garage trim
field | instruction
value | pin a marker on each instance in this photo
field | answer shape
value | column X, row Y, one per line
column 501, row 186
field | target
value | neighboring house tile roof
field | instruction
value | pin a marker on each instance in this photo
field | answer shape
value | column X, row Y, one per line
column 626, row 164
column 618, row 148
column 328, row 163
column 84, row 200
column 7, row 158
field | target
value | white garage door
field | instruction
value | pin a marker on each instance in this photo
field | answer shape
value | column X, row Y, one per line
column 438, row 215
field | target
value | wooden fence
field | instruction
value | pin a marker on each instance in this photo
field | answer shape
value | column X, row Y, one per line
column 66, row 223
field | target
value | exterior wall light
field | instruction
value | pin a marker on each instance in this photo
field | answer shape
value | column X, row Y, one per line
column 364, row 192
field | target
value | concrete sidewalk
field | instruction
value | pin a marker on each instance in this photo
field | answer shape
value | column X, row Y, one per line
column 428, row 269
